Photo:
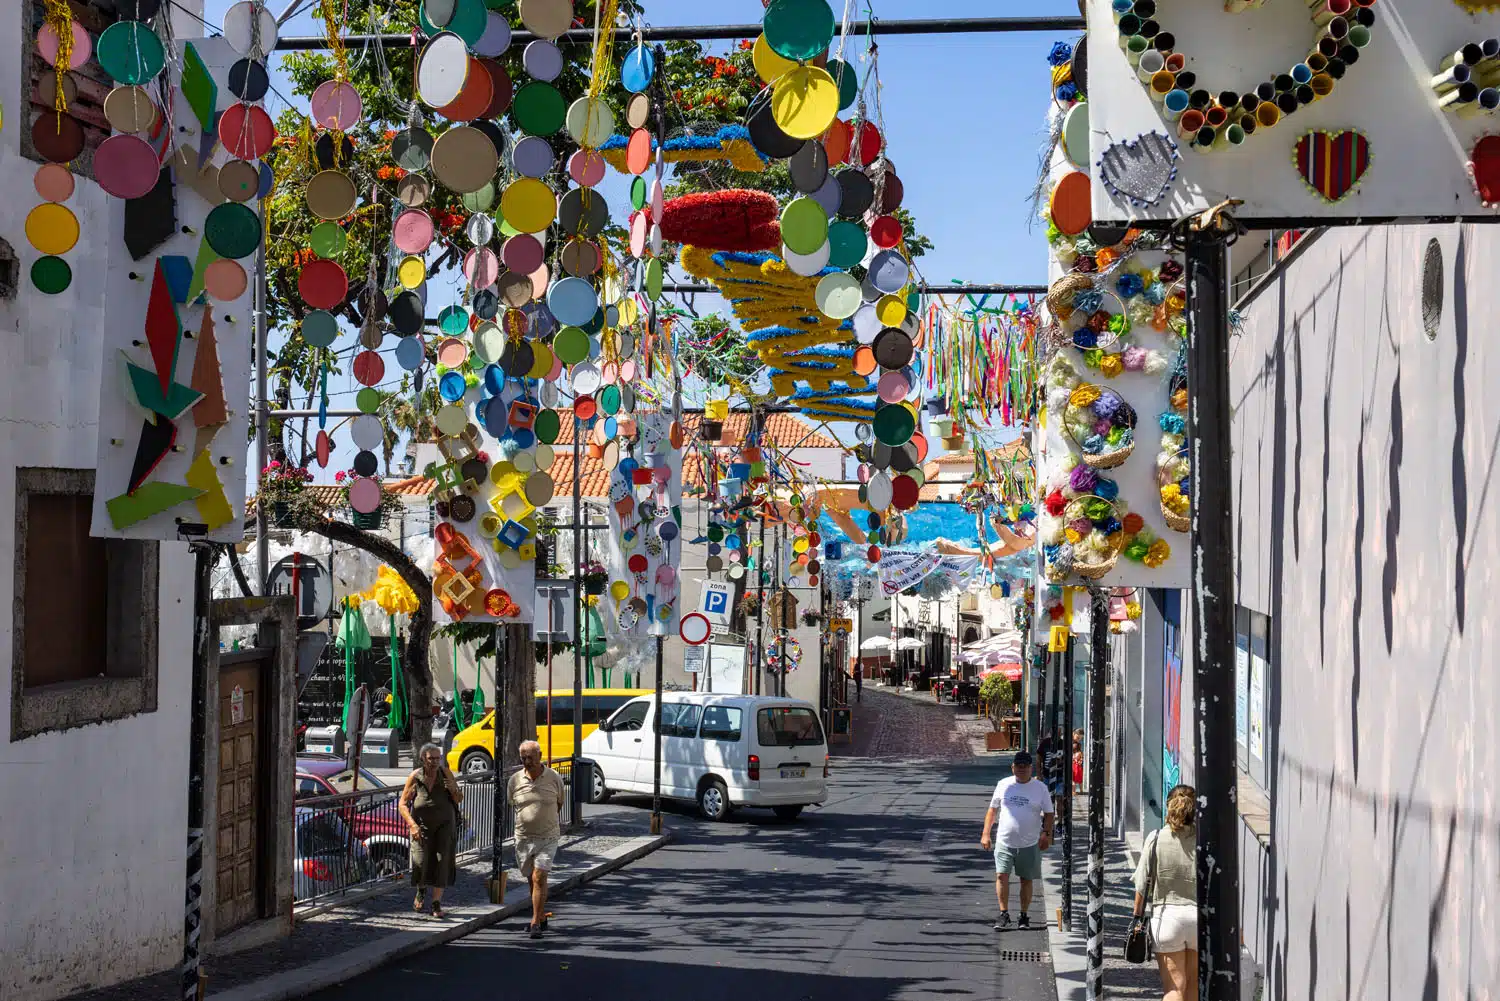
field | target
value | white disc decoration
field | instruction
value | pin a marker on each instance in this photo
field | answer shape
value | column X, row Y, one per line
column 367, row 432
column 807, row 265
column 591, row 123
column 451, row 420
column 239, row 29
column 443, row 69
column 585, row 378
column 879, row 491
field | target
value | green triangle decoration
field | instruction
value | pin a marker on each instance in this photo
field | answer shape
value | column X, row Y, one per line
column 206, row 256
column 171, row 404
column 150, row 499
column 199, row 88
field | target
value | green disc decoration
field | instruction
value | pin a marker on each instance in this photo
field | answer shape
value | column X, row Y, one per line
column 843, row 74
column 130, row 52
column 539, row 109
column 571, row 345
column 319, row 328
column 653, row 278
column 799, row 29
column 894, row 425
column 328, row 240
column 609, row 400
column 804, row 226
column 547, row 424
column 51, row 275
column 479, row 201
column 638, row 193
column 367, row 400
column 232, row 229
column 453, row 321
column 847, row 245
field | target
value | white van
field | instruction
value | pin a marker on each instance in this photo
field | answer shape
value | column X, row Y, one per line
column 720, row 751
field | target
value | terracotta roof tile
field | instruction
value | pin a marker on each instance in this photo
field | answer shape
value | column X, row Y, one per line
column 330, row 495
column 785, row 430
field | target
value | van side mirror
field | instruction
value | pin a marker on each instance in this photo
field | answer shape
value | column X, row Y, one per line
column 606, row 726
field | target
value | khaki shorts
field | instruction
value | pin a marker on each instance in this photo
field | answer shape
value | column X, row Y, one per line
column 536, row 853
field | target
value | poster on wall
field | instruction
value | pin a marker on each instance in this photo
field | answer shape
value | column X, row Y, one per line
column 644, row 540
column 1242, row 694
column 1258, row 707
column 174, row 397
column 1355, row 112
column 1171, row 708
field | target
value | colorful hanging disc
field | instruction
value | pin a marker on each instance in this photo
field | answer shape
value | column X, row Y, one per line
column 573, row 301
column 130, row 52
column 243, row 34
column 804, row 102
column 51, row 275
column 411, row 148
column 848, row 80
column 890, row 310
column 889, row 272
column 246, row 131
column 637, row 111
column 47, row 46
column 481, row 267
column 130, row 109
column 804, row 225
column 799, row 29
column 893, row 349
column 328, row 239
column 480, row 229
column 837, row 296
column 581, row 259
column 225, row 280
column 57, row 137
column 528, row 205
column 543, row 60
column 232, row 230
column 886, row 232
column 848, row 244
column 336, row 105
column 637, row 68
column 533, row 156
column 1070, row 207
column 473, row 98
column 548, row 18
column 495, row 38
column 638, row 153
column 571, row 345
column 590, row 122
column 539, row 109
column 464, row 159
column 330, row 194
column 411, row 272
column 523, row 253
column 412, row 232
column 768, row 65
column 248, row 80
column 54, row 182
column 806, row 265
column 442, row 69
column 239, row 180
column 586, row 167
column 323, row 284
column 369, row 368
column 320, row 328
column 126, row 166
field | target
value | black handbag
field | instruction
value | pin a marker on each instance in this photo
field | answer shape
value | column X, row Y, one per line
column 1138, row 944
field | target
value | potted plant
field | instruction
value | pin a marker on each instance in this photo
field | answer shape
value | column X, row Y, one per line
column 749, row 606
column 595, row 577
column 996, row 693
column 811, row 619
column 280, row 485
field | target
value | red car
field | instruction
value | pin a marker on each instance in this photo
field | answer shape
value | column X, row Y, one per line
column 376, row 822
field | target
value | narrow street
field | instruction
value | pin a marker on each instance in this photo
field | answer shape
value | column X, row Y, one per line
column 881, row 895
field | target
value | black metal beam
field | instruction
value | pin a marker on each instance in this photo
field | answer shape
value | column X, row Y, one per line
column 731, row 32
column 999, row 289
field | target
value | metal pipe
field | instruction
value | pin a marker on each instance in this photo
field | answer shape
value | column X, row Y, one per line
column 283, row 414
column 203, row 564
column 1065, row 750
column 656, row 755
column 497, row 826
column 580, row 795
column 731, row 32
column 997, row 289
column 1212, row 542
column 1099, row 621
column 262, row 414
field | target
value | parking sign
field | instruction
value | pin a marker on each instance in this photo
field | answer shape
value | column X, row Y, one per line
column 715, row 601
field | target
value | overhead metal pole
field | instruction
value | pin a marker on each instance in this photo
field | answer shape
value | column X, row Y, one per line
column 1212, row 542
column 732, row 32
column 262, row 414
column 580, row 794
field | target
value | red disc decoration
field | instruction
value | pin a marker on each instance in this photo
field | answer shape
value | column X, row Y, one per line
column 324, row 449
column 475, row 97
column 1484, row 168
column 323, row 284
column 638, row 563
column 886, row 232
column 904, row 492
column 246, row 130
column 723, row 220
column 873, row 554
column 869, row 144
column 584, row 408
column 369, row 368
column 638, row 151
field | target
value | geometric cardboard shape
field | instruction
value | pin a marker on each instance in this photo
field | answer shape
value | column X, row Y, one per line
column 210, row 411
column 151, row 219
column 171, row 404
column 198, row 87
column 213, row 506
column 163, row 328
column 206, row 256
column 151, row 499
column 179, row 271
column 156, row 441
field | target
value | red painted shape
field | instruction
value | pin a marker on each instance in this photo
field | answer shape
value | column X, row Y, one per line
column 163, row 329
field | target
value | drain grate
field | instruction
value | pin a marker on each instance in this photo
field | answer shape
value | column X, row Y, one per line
column 1025, row 957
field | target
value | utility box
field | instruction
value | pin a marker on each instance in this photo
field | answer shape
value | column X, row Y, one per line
column 326, row 740
column 382, row 748
column 443, row 736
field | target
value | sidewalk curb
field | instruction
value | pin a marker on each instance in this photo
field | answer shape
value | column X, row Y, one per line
column 338, row 969
column 1069, row 951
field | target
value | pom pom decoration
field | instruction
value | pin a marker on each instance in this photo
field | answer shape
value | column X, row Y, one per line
column 731, row 144
column 735, row 219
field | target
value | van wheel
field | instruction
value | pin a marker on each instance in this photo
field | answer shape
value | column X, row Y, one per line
column 475, row 761
column 713, row 800
column 599, row 792
column 787, row 812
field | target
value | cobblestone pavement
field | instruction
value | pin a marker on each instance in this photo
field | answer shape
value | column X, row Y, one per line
column 372, row 918
column 888, row 724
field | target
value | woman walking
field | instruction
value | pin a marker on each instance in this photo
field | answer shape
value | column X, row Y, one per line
column 1166, row 892
column 429, row 805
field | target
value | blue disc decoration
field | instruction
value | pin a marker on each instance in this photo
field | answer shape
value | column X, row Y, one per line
column 495, row 416
column 611, row 427
column 453, row 321
column 408, row 353
column 637, row 69
column 494, row 379
column 732, row 542
column 267, row 180
column 451, row 387
column 573, row 302
column 523, row 437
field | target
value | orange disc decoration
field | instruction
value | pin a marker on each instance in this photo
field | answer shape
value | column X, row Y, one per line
column 864, row 360
column 323, row 284
column 499, row 604
column 638, row 152
column 369, row 368
column 1070, row 209
column 475, row 97
column 837, row 142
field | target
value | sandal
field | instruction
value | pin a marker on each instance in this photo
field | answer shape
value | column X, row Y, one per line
column 418, row 902
column 437, row 908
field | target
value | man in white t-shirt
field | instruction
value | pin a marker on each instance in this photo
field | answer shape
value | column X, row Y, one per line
column 1024, row 807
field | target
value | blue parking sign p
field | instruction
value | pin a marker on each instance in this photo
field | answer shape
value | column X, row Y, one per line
column 716, row 602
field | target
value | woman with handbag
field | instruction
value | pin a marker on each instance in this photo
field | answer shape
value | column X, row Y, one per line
column 1166, row 900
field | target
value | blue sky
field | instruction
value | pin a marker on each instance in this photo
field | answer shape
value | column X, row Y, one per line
column 964, row 117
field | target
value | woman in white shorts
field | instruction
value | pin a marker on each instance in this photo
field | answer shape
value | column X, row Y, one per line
column 1166, row 884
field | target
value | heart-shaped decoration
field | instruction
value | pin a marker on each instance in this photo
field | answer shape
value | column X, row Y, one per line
column 1484, row 169
column 1140, row 171
column 1332, row 163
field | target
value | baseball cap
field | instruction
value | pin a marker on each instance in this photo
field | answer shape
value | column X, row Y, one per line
column 1023, row 758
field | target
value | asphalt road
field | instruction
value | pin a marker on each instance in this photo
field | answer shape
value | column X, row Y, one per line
column 883, row 894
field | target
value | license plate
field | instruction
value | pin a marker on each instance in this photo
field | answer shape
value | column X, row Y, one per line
column 794, row 773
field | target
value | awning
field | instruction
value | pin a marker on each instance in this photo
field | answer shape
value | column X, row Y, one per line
column 1012, row 672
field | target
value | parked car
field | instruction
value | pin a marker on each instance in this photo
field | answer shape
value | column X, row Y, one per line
column 327, row 857
column 719, row 751
column 376, row 822
column 472, row 747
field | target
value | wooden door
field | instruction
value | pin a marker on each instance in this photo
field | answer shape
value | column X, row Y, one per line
column 239, row 799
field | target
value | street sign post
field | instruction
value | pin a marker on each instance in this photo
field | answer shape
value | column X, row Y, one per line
column 841, row 627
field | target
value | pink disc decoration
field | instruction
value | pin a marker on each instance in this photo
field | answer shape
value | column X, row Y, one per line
column 412, row 231
column 640, row 228
column 364, row 494
column 369, row 368
column 324, row 449
column 586, row 167
column 540, row 279
column 555, row 372
column 893, row 387
column 628, row 370
column 609, row 375
column 246, row 131
column 323, row 284
column 54, row 182
column 47, row 46
column 523, row 253
column 126, row 166
column 225, row 280
column 658, row 199
column 336, row 105
column 481, row 267
column 864, row 472
column 452, row 352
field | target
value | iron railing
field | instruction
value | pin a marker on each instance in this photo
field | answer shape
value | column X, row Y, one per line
column 355, row 840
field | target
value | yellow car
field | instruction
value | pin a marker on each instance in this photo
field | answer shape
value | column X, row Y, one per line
column 473, row 745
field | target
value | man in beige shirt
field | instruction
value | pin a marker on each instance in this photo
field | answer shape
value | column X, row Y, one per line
column 536, row 792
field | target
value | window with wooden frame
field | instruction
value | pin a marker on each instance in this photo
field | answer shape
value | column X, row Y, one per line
column 84, row 623
column 84, row 88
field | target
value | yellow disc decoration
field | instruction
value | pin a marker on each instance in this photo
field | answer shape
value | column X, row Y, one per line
column 411, row 272
column 890, row 310
column 52, row 228
column 804, row 102
column 768, row 65
column 528, row 205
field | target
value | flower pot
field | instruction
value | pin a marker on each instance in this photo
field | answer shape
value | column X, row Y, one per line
column 713, row 430
column 368, row 522
column 954, row 444
column 937, row 406
column 942, row 427
column 996, row 741
column 595, row 585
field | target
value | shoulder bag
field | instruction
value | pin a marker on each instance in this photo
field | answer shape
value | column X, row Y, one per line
column 1138, row 944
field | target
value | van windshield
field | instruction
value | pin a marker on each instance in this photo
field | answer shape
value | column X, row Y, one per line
column 788, row 726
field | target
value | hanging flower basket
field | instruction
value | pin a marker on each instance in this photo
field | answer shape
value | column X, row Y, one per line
column 369, row 522
column 281, row 514
column 1101, row 424
column 1172, row 472
column 595, row 578
column 937, row 406
column 713, row 430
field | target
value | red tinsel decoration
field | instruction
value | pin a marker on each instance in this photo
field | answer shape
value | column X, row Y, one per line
column 723, row 220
